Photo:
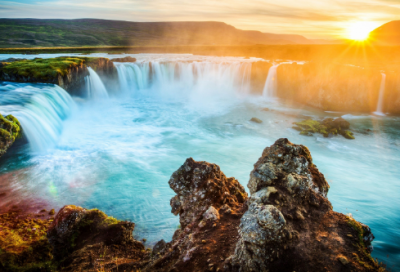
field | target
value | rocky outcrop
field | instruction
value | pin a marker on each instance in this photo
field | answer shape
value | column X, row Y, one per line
column 89, row 240
column 326, row 127
column 287, row 223
column 10, row 130
column 67, row 72
column 210, row 206
column 290, row 224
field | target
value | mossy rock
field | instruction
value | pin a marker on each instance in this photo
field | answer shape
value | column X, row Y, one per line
column 10, row 130
column 325, row 127
column 46, row 70
column 348, row 134
column 23, row 243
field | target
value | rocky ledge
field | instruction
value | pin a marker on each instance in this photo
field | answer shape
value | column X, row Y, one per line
column 286, row 224
column 67, row 72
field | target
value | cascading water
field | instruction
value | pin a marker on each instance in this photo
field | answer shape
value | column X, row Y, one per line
column 270, row 86
column 94, row 86
column 40, row 108
column 185, row 75
column 379, row 108
column 203, row 85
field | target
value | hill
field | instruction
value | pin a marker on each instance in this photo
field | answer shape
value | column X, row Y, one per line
column 387, row 34
column 95, row 32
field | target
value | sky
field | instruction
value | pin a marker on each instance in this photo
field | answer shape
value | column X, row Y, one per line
column 317, row 19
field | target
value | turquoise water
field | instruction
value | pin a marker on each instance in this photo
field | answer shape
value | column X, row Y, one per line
column 117, row 154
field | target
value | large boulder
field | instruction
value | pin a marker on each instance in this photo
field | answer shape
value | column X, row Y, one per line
column 89, row 240
column 290, row 224
column 210, row 206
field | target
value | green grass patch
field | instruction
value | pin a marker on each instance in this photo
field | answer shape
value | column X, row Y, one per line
column 45, row 69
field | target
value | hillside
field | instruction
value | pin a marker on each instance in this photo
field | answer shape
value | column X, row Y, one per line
column 387, row 34
column 95, row 32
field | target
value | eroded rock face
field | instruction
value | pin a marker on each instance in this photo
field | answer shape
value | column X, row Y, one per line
column 209, row 206
column 290, row 225
column 201, row 186
column 79, row 236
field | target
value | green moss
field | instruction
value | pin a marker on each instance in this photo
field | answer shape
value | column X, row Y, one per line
column 326, row 127
column 348, row 135
column 10, row 130
column 23, row 244
column 46, row 69
column 363, row 257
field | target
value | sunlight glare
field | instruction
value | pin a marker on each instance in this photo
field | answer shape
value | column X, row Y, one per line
column 360, row 30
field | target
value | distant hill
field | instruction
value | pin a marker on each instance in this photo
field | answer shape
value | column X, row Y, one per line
column 387, row 34
column 95, row 32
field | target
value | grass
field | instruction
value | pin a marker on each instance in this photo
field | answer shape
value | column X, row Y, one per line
column 45, row 69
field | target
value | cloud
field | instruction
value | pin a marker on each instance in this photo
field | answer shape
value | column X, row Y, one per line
column 313, row 18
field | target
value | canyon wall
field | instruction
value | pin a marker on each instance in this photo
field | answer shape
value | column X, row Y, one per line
column 334, row 87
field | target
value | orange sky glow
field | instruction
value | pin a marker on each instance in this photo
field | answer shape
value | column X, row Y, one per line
column 327, row 19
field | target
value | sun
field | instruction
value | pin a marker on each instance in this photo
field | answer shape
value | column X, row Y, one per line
column 359, row 31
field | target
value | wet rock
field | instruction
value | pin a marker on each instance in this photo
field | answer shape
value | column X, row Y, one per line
column 159, row 247
column 256, row 120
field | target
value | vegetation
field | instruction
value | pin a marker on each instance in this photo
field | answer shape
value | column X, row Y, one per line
column 10, row 130
column 95, row 32
column 363, row 257
column 45, row 69
column 23, row 243
column 326, row 127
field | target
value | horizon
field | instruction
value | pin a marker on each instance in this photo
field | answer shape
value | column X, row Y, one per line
column 313, row 20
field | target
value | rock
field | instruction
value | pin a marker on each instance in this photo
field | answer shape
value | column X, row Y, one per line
column 198, row 186
column 10, row 130
column 343, row 260
column 52, row 212
column 347, row 134
column 326, row 127
column 211, row 214
column 126, row 59
column 203, row 193
column 76, row 234
column 256, row 120
column 288, row 205
column 159, row 247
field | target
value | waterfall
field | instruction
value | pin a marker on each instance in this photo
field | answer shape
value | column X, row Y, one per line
column 40, row 108
column 270, row 86
column 94, row 86
column 210, row 77
column 379, row 108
